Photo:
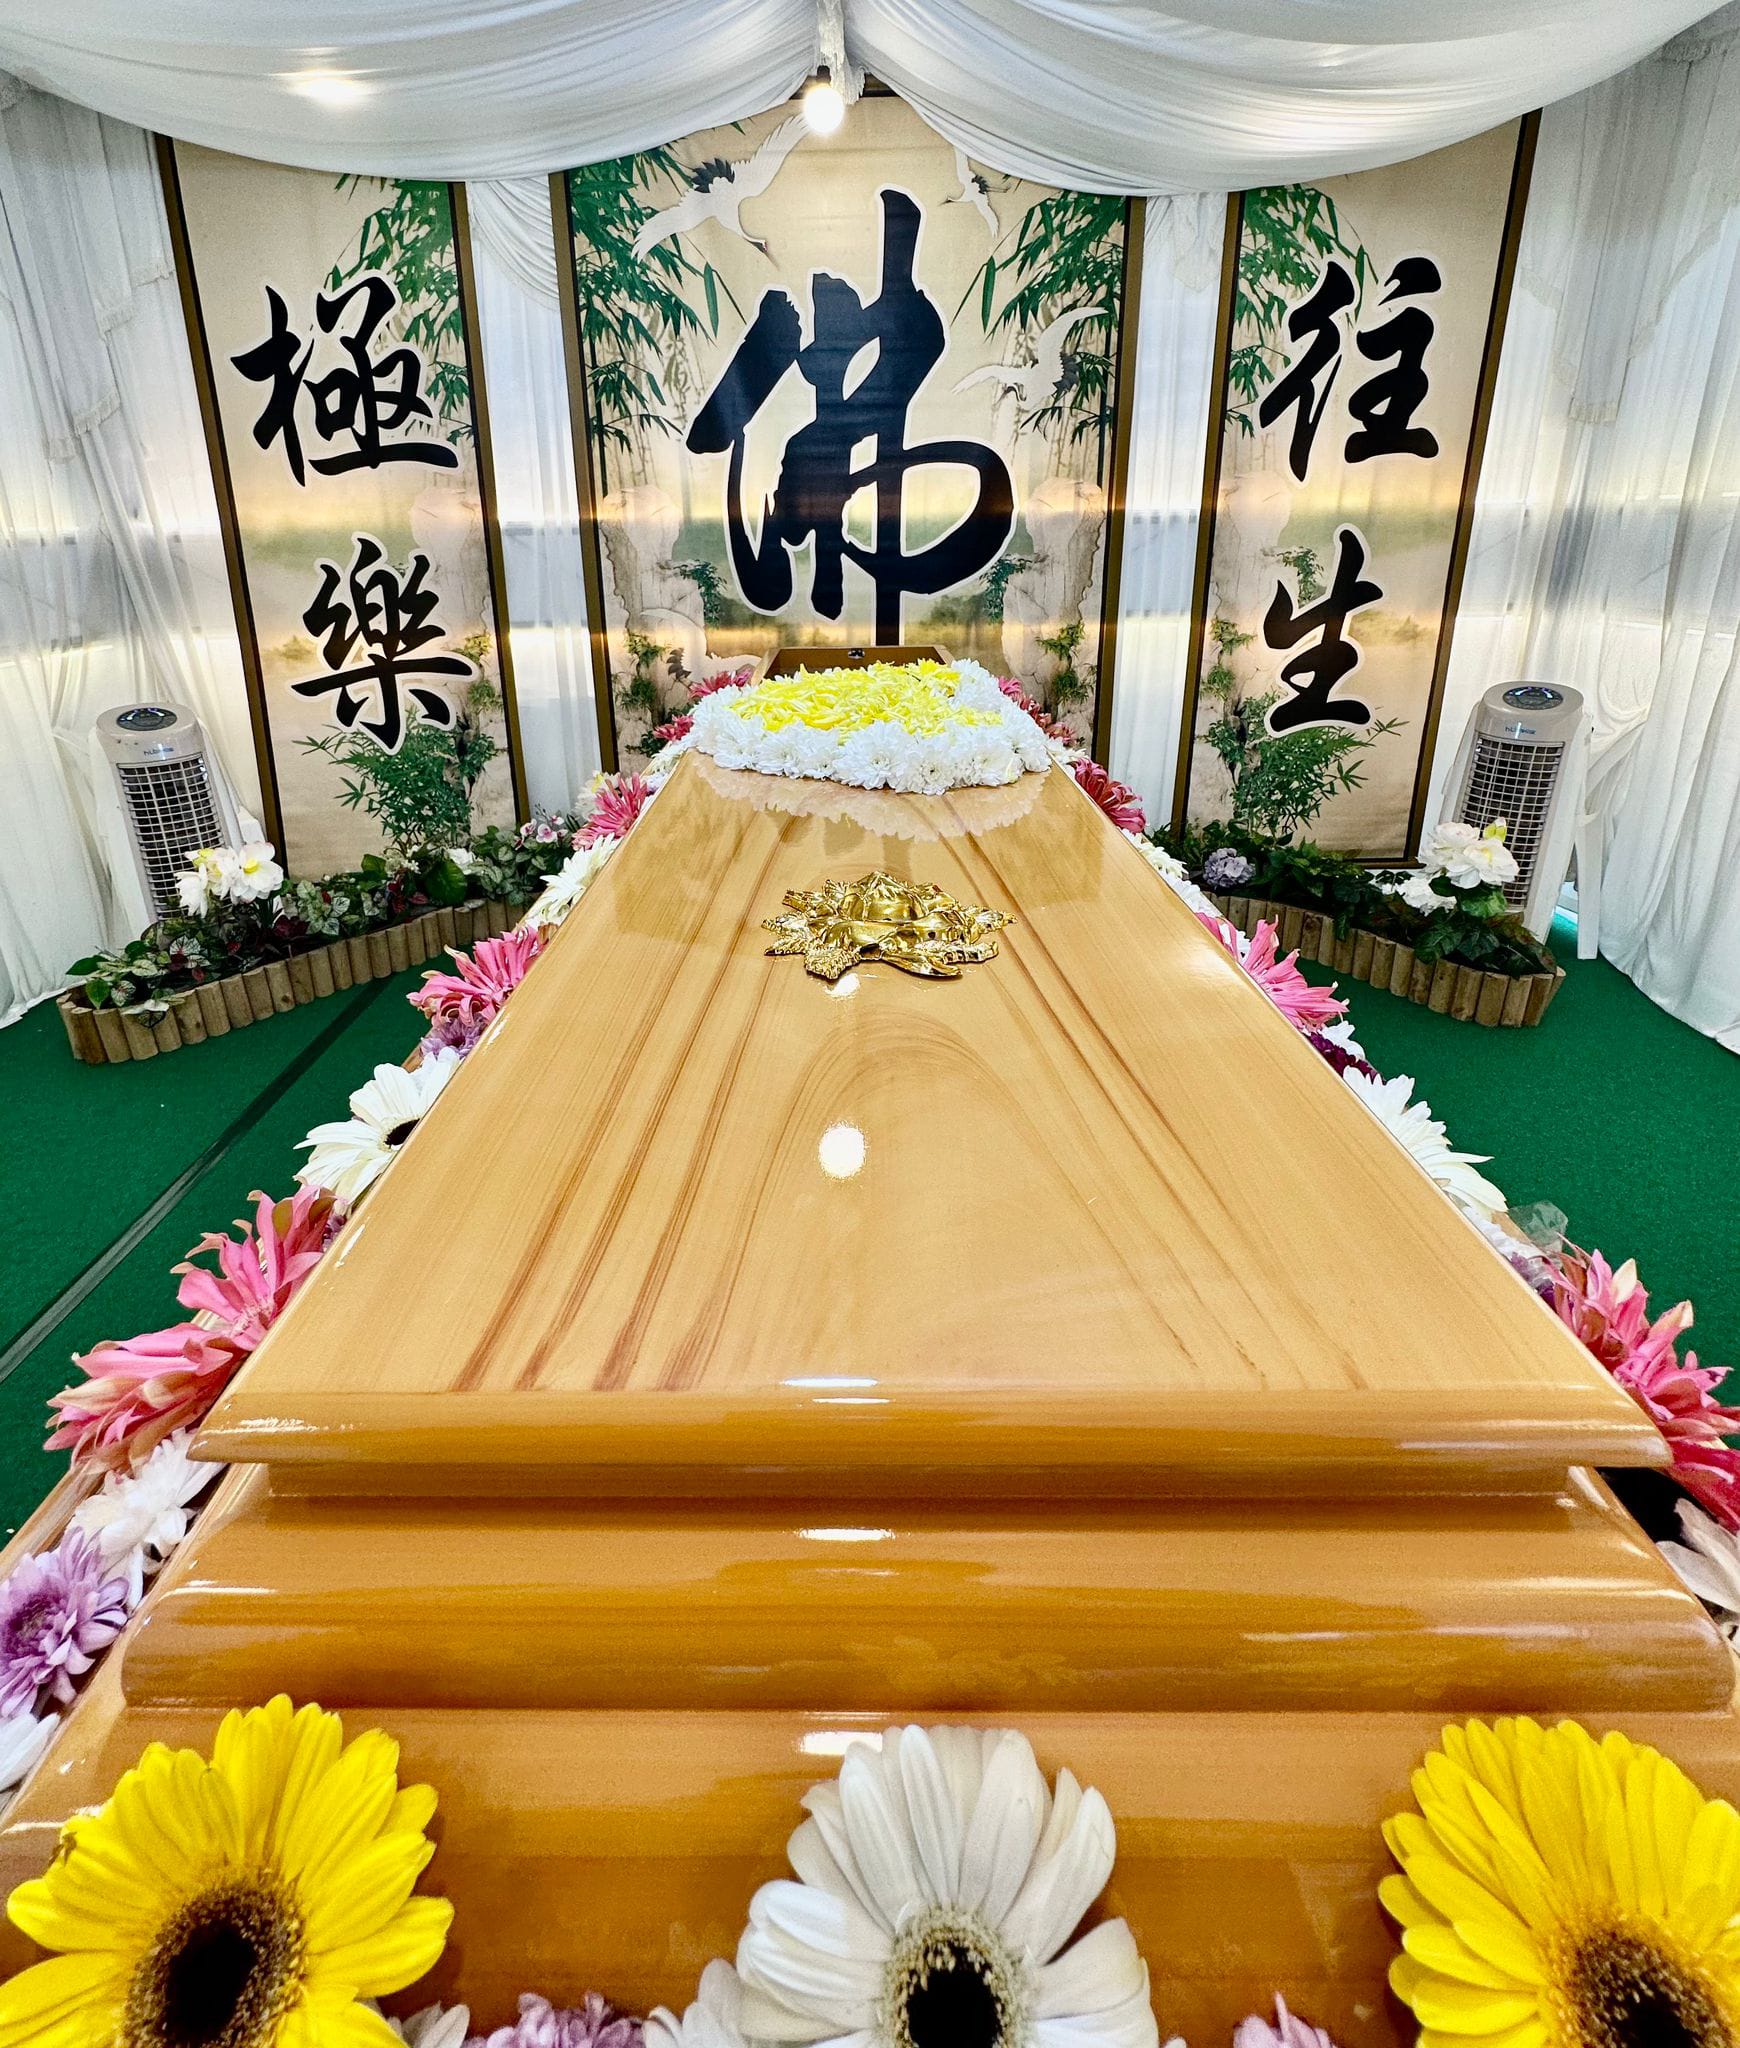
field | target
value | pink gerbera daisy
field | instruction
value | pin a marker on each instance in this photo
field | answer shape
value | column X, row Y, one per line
column 1304, row 1007
column 620, row 800
column 737, row 678
column 258, row 1272
column 472, row 995
column 674, row 728
column 1119, row 802
column 1608, row 1311
column 141, row 1391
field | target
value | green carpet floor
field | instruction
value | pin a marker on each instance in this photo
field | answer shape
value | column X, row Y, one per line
column 1611, row 1109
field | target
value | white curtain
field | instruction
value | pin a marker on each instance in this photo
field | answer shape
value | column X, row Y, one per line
column 1105, row 95
column 112, row 581
column 1181, row 259
column 1602, row 547
column 525, row 377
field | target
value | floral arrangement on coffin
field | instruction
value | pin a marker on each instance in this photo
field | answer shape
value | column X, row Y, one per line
column 920, row 727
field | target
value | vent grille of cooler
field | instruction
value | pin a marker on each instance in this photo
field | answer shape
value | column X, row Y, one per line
column 1513, row 780
column 171, row 810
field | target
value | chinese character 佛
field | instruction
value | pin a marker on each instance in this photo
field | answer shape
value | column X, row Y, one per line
column 363, row 399
column 1313, row 673
column 817, row 477
column 389, row 617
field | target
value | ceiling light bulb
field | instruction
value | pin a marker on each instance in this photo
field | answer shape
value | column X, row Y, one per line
column 824, row 109
column 331, row 88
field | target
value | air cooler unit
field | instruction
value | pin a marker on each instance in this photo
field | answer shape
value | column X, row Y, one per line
column 173, row 796
column 1522, row 759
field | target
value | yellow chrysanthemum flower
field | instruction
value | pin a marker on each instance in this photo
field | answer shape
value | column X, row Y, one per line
column 917, row 696
column 1559, row 1892
column 248, row 1902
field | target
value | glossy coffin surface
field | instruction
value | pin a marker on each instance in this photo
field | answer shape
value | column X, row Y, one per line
column 1093, row 1202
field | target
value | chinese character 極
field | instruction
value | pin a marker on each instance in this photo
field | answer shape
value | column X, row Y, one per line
column 1385, row 405
column 1313, row 673
column 389, row 617
column 363, row 399
column 817, row 476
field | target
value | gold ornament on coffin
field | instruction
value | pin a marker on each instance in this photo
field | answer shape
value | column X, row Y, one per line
column 914, row 926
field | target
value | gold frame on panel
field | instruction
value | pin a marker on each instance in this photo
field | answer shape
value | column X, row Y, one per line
column 241, row 599
column 1516, row 204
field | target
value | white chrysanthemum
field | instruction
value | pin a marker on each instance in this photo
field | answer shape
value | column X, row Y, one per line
column 137, row 1520
column 1340, row 1032
column 715, row 2020
column 436, row 2026
column 569, row 883
column 938, row 1881
column 23, row 1738
column 1413, row 1125
column 1173, row 873
column 1709, row 1562
column 347, row 1158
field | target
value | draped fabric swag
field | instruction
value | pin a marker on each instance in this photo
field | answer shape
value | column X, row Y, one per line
column 1607, row 538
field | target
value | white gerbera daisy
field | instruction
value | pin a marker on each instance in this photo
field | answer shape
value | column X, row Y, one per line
column 569, row 883
column 1413, row 1125
column 715, row 2020
column 347, row 1158
column 938, row 1883
column 436, row 2026
column 136, row 1521
column 23, row 1738
column 1709, row 1562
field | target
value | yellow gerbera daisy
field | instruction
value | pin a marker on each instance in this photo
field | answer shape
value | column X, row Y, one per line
column 1559, row 1892
column 248, row 1902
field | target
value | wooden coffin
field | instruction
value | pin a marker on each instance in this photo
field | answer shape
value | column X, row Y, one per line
column 643, row 1441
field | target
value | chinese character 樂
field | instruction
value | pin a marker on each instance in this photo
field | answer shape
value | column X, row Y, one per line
column 364, row 398
column 371, row 608
column 1313, row 673
column 817, row 477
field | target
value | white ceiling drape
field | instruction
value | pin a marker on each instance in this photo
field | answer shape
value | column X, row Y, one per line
column 1108, row 95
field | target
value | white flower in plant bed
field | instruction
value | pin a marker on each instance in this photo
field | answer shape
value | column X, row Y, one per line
column 228, row 874
column 715, row 2020
column 1414, row 1127
column 348, row 1158
column 1709, row 1563
column 138, row 1519
column 1470, row 858
column 568, row 884
column 23, row 1738
column 939, row 1880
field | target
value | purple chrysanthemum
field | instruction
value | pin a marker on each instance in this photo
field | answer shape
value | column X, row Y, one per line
column 1338, row 1056
column 56, row 1611
column 1224, row 869
column 594, row 2023
column 453, row 1031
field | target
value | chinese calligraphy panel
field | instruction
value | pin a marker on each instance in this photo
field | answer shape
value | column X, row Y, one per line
column 336, row 355
column 1362, row 320
column 846, row 390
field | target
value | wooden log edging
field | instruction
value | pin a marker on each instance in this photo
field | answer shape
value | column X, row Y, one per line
column 1470, row 994
column 108, row 1037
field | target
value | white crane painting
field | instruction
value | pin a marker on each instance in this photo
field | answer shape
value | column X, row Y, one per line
column 718, row 189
